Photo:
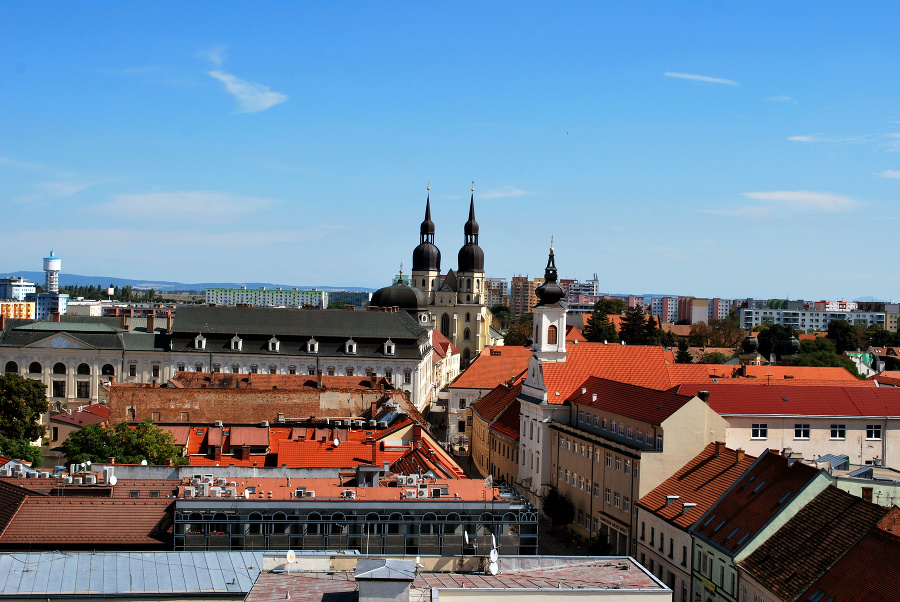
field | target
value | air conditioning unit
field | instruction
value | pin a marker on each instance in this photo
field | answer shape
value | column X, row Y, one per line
column 204, row 490
column 229, row 492
column 218, row 423
column 195, row 481
column 215, row 492
column 43, row 475
column 338, row 423
column 221, row 480
column 372, row 423
column 67, row 480
column 382, row 424
column 401, row 481
column 90, row 480
column 300, row 492
column 348, row 494
column 78, row 480
column 410, row 493
column 412, row 479
column 310, row 494
column 422, row 493
column 5, row 472
column 264, row 423
column 32, row 475
column 189, row 492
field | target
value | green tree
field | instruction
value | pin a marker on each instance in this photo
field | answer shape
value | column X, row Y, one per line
column 725, row 333
column 713, row 358
column 610, row 306
column 822, row 353
column 502, row 317
column 683, row 356
column 845, row 336
column 20, row 449
column 22, row 401
column 652, row 331
column 772, row 338
column 558, row 508
column 879, row 337
column 335, row 305
column 600, row 328
column 633, row 329
column 519, row 331
column 699, row 335
column 128, row 445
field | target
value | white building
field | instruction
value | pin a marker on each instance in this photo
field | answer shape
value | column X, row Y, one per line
column 808, row 320
column 15, row 288
column 665, row 308
column 264, row 297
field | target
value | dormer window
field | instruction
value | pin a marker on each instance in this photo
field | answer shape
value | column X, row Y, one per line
column 389, row 347
column 350, row 346
column 274, row 344
column 200, row 342
column 312, row 346
column 236, row 343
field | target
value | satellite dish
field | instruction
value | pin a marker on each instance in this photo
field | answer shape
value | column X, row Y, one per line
column 337, row 442
column 494, row 555
column 290, row 556
column 466, row 534
column 493, row 568
column 113, row 480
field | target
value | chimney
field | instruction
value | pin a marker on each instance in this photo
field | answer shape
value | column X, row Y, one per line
column 374, row 409
column 2, row 322
column 112, row 460
column 720, row 447
column 55, row 316
column 686, row 507
column 169, row 322
column 704, row 396
column 671, row 499
column 382, row 580
column 217, row 453
column 739, row 456
column 245, row 452
column 319, row 384
column 122, row 324
column 151, row 322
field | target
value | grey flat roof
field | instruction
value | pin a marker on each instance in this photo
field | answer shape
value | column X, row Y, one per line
column 127, row 574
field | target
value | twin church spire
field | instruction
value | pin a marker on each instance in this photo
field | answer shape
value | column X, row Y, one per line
column 427, row 257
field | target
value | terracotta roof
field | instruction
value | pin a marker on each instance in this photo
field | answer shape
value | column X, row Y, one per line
column 758, row 399
column 442, row 344
column 800, row 373
column 181, row 433
column 11, row 497
column 888, row 377
column 863, row 574
column 493, row 366
column 805, row 547
column 92, row 523
column 679, row 330
column 492, row 405
column 755, row 499
column 507, row 423
column 249, row 435
column 646, row 405
column 79, row 419
column 574, row 334
column 701, row 481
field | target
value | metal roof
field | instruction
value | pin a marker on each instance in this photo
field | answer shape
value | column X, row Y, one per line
column 68, row 327
column 127, row 574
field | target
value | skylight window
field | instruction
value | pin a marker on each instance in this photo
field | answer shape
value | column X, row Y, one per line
column 758, row 487
column 785, row 497
column 744, row 538
column 722, row 524
column 732, row 534
column 711, row 519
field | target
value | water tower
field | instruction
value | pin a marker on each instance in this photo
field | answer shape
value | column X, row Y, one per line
column 52, row 265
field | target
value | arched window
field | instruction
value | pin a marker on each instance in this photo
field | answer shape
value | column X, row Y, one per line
column 84, row 369
column 467, row 334
column 423, row 283
column 108, row 370
column 12, row 367
column 468, row 317
column 35, row 368
column 59, row 368
column 551, row 335
column 445, row 325
column 467, row 356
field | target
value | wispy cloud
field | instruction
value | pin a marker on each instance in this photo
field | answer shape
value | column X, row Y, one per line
column 782, row 98
column 215, row 55
column 251, row 97
column 64, row 189
column 891, row 174
column 504, row 192
column 26, row 165
column 204, row 206
column 821, row 138
column 702, row 78
column 804, row 200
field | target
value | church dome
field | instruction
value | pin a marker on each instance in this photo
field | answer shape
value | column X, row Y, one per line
column 550, row 291
column 750, row 344
column 792, row 346
column 399, row 295
column 471, row 257
column 426, row 257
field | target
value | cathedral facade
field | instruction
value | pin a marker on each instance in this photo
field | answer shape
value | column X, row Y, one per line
column 457, row 300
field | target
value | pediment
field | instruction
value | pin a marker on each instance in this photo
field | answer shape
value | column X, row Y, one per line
column 60, row 341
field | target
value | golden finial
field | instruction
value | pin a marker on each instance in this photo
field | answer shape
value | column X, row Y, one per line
column 428, row 187
column 401, row 268
column 473, row 185
column 551, row 243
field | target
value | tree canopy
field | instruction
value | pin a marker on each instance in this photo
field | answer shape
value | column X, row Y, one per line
column 519, row 331
column 713, row 358
column 610, row 306
column 846, row 336
column 558, row 508
column 600, row 328
column 822, row 353
column 97, row 443
column 683, row 356
column 502, row 317
column 772, row 338
column 22, row 401
column 335, row 305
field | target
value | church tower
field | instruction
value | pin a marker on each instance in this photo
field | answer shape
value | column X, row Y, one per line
column 549, row 327
column 472, row 315
column 426, row 265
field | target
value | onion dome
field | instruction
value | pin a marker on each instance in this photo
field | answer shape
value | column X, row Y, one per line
column 399, row 295
column 550, row 291
column 750, row 344
column 426, row 256
column 792, row 346
column 471, row 257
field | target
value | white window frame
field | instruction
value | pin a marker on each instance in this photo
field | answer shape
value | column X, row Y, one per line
column 759, row 431
column 871, row 430
column 200, row 342
column 801, row 432
column 838, row 432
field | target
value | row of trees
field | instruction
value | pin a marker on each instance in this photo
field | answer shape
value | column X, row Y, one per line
column 124, row 293
column 22, row 401
column 146, row 441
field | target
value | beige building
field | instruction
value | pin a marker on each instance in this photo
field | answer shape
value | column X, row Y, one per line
column 494, row 433
column 17, row 309
column 622, row 441
column 521, row 295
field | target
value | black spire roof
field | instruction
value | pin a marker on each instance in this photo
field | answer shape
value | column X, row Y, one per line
column 549, row 292
column 471, row 257
column 426, row 256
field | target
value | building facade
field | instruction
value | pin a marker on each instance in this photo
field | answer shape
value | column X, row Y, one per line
column 15, row 288
column 263, row 297
column 809, row 320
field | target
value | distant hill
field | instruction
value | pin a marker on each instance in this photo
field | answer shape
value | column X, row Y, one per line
column 162, row 285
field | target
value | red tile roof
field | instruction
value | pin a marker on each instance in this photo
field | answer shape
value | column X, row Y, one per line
column 787, row 400
column 800, row 373
column 574, row 334
column 494, row 365
column 754, row 500
column 91, row 523
column 492, row 405
column 79, row 419
column 249, row 435
column 888, row 377
column 442, row 345
column 805, row 547
column 863, row 574
column 701, row 481
column 507, row 423
column 646, row 405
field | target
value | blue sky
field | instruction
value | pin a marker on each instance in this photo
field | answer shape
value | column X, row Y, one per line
column 711, row 148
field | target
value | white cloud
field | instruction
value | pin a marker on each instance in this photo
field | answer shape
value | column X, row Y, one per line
column 702, row 78
column 503, row 192
column 782, row 98
column 891, row 174
column 251, row 97
column 214, row 55
column 804, row 200
column 64, row 189
column 201, row 206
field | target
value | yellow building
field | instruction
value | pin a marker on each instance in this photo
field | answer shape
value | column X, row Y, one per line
column 18, row 309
